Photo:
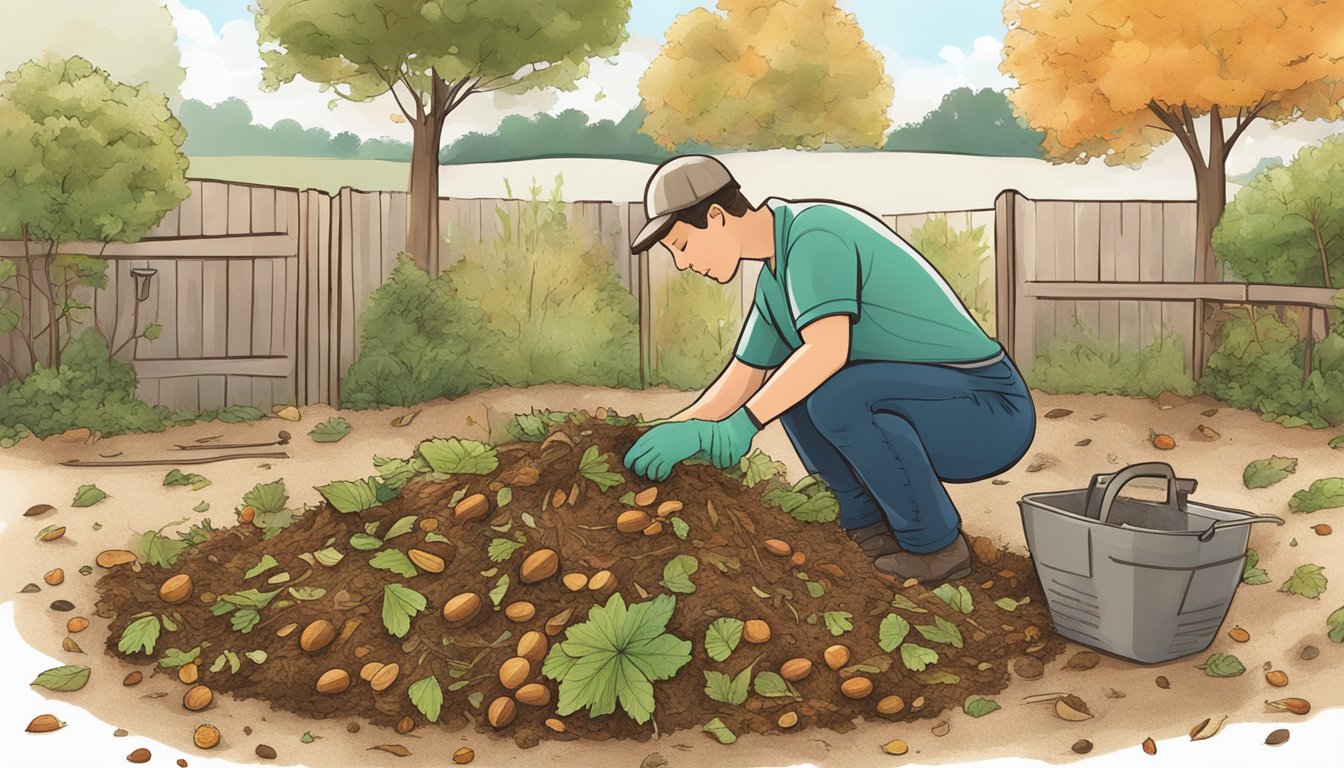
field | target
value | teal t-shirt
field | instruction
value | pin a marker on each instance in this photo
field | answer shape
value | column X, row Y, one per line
column 832, row 259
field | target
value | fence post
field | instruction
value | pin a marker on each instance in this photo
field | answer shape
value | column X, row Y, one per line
column 1005, row 268
column 640, row 262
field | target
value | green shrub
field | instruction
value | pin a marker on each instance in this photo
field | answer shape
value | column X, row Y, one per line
column 553, row 306
column 1258, row 365
column 1084, row 364
column 962, row 257
column 415, row 343
column 696, row 332
column 88, row 389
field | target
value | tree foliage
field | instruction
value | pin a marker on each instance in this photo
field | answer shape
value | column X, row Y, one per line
column 1114, row 78
column 969, row 122
column 961, row 256
column 746, row 77
column 1287, row 225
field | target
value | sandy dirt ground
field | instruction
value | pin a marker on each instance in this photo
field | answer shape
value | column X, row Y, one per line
column 1128, row 705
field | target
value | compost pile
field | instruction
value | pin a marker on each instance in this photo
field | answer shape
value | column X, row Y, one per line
column 502, row 586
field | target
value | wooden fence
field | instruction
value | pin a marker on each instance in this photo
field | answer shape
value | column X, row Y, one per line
column 259, row 290
column 1119, row 271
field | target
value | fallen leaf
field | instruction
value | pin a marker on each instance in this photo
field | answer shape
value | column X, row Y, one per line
column 1205, row 433
column 1083, row 442
column 1277, row 737
column 896, row 747
column 1083, row 661
column 1322, row 529
column 1163, row 682
column 1057, row 413
column 1098, row 416
column 1028, row 668
column 997, row 481
column 1168, row 399
column 941, row 729
column 395, row 749
column 1294, row 705
column 38, row 509
column 1150, row 746
column 1206, row 729
column 70, row 645
column 1042, row 461
column 405, row 418
column 1111, row 693
column 1208, row 413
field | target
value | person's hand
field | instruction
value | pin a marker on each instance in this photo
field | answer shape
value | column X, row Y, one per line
column 731, row 438
column 655, row 453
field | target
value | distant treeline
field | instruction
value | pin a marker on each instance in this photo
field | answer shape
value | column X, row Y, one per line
column 966, row 122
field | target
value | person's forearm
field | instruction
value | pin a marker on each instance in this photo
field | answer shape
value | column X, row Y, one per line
column 726, row 394
column 798, row 377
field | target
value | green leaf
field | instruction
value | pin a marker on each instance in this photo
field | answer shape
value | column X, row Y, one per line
column 916, row 657
column 87, row 496
column 937, row 677
column 267, row 562
column 594, row 466
column 395, row 472
column 722, row 637
column 401, row 527
column 67, row 678
column 497, row 593
column 838, row 622
column 958, row 598
column 941, row 631
column 772, row 685
column 978, row 706
column 175, row 477
column 1307, row 581
column 729, row 690
column 364, row 542
column 502, row 549
column 904, row 603
column 396, row 561
column 267, row 497
column 681, row 528
column 1263, row 473
column 234, row 662
column 1251, row 574
column 307, row 593
column 329, row 556
column 330, row 431
column 891, row 632
column 139, row 636
column 815, row 588
column 436, row 537
column 718, row 730
column 1327, row 493
column 757, row 467
column 1335, row 622
column 503, row 496
column 256, row 657
column 615, row 656
column 173, row 658
column 1337, row 442
column 347, row 496
column 427, row 696
column 1222, row 665
column 400, row 605
column 677, row 573
column 628, row 498
column 202, row 507
column 308, row 737
column 454, row 456
column 1009, row 604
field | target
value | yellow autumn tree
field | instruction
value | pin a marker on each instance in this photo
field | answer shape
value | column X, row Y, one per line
column 764, row 74
column 1115, row 78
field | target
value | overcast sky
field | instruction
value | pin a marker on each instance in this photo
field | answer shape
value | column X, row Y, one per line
column 930, row 48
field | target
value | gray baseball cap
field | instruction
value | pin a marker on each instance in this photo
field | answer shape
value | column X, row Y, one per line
column 677, row 184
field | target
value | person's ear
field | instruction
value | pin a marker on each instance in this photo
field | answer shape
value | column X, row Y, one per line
column 716, row 211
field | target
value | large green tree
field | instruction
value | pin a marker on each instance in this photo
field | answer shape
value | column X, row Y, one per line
column 969, row 122
column 432, row 55
column 82, row 158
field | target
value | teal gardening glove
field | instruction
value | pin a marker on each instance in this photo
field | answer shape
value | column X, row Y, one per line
column 725, row 443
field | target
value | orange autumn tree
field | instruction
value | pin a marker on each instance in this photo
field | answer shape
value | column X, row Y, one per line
column 1115, row 78
column 763, row 74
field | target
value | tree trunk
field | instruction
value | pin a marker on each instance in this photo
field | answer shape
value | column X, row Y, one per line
column 1211, row 199
column 422, row 228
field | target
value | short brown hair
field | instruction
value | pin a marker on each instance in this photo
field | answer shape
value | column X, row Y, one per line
column 729, row 198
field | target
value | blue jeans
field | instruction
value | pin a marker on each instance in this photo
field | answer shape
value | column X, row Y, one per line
column 883, row 435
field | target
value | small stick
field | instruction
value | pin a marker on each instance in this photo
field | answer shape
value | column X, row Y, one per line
column 283, row 439
column 174, row 462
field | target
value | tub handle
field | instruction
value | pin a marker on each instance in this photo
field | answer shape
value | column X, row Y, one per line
column 1208, row 533
column 1105, row 487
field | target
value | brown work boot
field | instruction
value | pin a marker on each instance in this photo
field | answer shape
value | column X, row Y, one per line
column 876, row 539
column 951, row 562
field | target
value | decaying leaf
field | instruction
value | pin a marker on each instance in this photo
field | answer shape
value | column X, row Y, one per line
column 941, row 729
column 1294, row 705
column 395, row 749
column 895, row 747
column 1083, row 661
column 405, row 418
column 1206, row 728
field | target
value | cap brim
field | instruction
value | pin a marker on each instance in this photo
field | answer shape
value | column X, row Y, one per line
column 651, row 233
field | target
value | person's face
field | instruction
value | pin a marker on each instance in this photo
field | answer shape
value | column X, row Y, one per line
column 714, row 251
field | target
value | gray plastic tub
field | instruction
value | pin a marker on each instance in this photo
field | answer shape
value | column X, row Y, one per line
column 1147, row 581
